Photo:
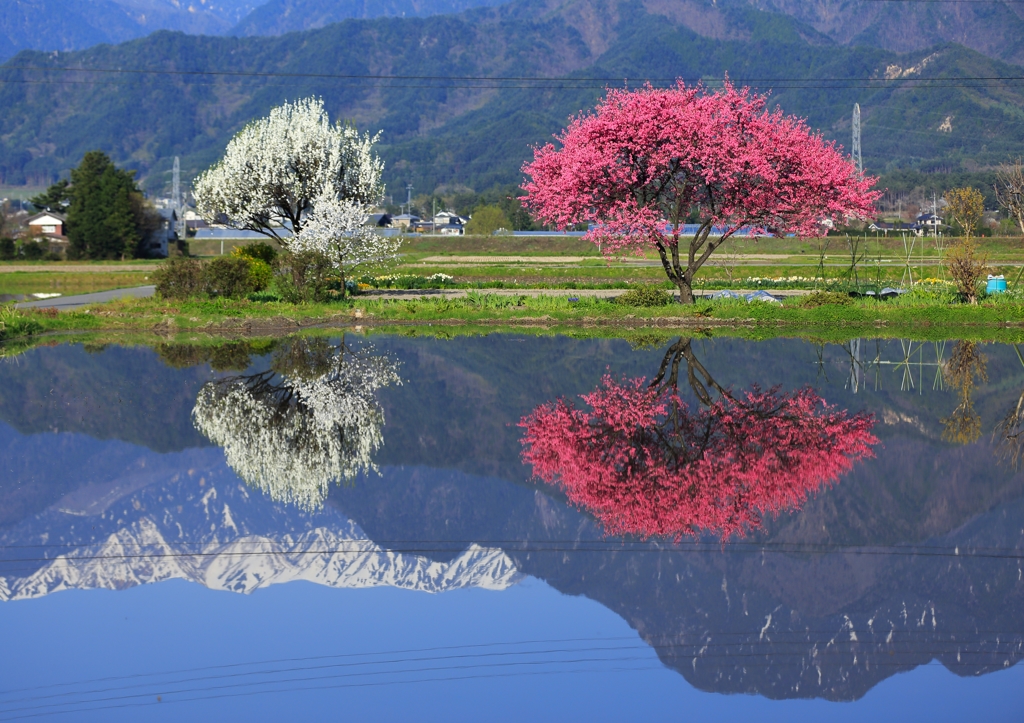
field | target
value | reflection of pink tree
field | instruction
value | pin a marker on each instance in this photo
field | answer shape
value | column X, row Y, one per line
column 644, row 463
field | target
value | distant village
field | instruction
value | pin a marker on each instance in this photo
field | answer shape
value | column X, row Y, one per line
column 179, row 224
column 45, row 233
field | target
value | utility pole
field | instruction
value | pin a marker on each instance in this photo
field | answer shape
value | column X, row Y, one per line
column 856, row 139
column 177, row 203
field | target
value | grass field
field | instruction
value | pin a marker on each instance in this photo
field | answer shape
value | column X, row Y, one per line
column 568, row 262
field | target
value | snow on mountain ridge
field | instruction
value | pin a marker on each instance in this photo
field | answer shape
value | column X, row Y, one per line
column 139, row 553
column 223, row 538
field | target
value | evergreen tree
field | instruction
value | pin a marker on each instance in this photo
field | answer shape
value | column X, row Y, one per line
column 55, row 199
column 106, row 218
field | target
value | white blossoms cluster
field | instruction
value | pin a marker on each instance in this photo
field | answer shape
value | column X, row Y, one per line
column 276, row 170
column 295, row 438
column 336, row 228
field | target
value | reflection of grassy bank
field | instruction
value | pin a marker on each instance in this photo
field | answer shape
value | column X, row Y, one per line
column 232, row 353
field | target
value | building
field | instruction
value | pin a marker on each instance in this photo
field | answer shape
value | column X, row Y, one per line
column 404, row 220
column 930, row 223
column 447, row 218
column 50, row 225
column 885, row 228
column 157, row 244
column 379, row 220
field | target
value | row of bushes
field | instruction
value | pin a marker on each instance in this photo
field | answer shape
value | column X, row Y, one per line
column 252, row 271
column 11, row 250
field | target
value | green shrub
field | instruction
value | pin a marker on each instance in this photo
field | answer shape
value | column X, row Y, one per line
column 825, row 298
column 227, row 276
column 646, row 295
column 263, row 296
column 304, row 277
column 8, row 251
column 179, row 278
column 33, row 251
column 260, row 274
column 259, row 251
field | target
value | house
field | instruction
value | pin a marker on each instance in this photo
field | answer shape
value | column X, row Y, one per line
column 447, row 218
column 48, row 224
column 157, row 243
column 930, row 222
column 899, row 227
column 404, row 220
column 452, row 229
column 379, row 220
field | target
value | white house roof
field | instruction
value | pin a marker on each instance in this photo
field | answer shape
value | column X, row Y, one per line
column 46, row 219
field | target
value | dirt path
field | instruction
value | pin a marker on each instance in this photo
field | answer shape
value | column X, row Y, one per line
column 75, row 269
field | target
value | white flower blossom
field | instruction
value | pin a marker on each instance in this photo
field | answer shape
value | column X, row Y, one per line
column 336, row 229
column 295, row 437
column 277, row 169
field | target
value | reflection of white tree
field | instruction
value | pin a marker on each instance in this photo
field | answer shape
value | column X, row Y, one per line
column 312, row 419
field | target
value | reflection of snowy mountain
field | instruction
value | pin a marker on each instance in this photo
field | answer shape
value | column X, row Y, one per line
column 210, row 529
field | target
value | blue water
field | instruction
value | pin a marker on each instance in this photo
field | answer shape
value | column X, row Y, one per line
column 895, row 594
column 138, row 636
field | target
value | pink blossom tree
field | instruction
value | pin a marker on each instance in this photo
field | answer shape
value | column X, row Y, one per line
column 644, row 463
column 647, row 161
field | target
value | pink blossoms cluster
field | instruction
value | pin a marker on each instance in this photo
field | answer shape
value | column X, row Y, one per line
column 644, row 464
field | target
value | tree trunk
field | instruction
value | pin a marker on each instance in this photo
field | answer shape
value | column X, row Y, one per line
column 685, row 291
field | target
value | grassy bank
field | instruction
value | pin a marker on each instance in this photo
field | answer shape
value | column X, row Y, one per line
column 919, row 315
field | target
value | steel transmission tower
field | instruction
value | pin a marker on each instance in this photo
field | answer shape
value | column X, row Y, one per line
column 856, row 138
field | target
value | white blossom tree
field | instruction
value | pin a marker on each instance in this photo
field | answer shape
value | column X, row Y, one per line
column 292, row 434
column 277, row 170
column 336, row 229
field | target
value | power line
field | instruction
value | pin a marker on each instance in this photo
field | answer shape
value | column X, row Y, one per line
column 511, row 78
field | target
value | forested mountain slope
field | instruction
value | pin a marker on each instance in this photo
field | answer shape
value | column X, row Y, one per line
column 419, row 81
column 75, row 24
column 994, row 28
column 283, row 16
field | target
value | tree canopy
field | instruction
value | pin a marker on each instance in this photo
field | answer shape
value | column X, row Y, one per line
column 488, row 219
column 107, row 215
column 647, row 162
column 280, row 170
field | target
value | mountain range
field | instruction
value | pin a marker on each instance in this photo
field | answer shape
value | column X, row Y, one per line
column 64, row 25
column 992, row 28
column 460, row 99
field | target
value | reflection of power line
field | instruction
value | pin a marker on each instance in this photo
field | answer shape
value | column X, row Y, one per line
column 730, row 548
column 657, row 641
column 833, row 651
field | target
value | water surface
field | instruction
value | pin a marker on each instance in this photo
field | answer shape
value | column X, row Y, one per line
column 319, row 527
